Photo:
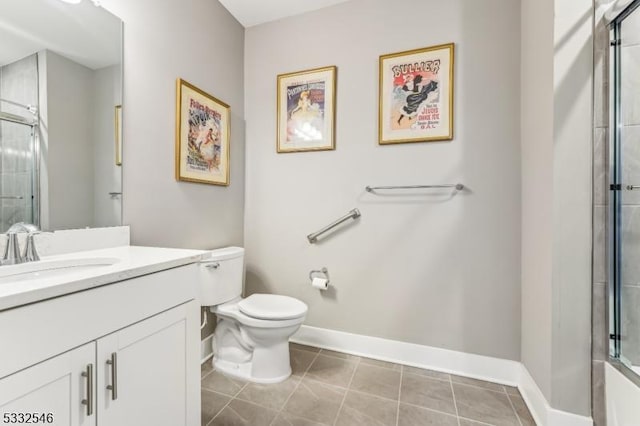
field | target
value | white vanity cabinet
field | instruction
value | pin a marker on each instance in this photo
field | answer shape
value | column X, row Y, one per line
column 121, row 354
column 141, row 373
column 50, row 392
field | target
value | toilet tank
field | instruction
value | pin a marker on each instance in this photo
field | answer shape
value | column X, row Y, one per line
column 221, row 275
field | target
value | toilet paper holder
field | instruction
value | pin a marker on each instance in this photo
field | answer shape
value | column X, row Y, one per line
column 323, row 273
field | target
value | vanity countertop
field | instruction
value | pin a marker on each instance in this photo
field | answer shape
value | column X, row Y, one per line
column 133, row 261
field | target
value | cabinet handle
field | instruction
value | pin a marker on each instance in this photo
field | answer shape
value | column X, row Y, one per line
column 210, row 264
column 89, row 401
column 113, row 387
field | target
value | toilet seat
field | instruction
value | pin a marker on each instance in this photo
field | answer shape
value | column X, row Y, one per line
column 232, row 310
column 272, row 307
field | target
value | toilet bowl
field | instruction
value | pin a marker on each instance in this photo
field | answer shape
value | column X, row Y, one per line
column 253, row 346
column 251, row 339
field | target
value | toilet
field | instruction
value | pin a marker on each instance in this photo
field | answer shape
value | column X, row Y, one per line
column 251, row 340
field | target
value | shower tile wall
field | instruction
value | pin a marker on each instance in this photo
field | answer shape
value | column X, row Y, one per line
column 600, row 339
column 18, row 83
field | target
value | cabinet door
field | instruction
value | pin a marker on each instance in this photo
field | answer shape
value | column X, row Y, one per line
column 152, row 367
column 56, row 391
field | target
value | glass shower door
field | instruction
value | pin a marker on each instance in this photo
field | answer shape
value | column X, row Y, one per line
column 17, row 173
column 625, row 192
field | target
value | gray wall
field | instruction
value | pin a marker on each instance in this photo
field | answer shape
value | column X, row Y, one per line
column 107, row 93
column 202, row 43
column 76, row 136
column 537, row 182
column 557, row 70
column 572, row 205
column 69, row 152
column 199, row 41
column 427, row 269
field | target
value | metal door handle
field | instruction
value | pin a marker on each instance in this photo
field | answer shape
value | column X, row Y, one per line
column 89, row 400
column 113, row 387
column 632, row 187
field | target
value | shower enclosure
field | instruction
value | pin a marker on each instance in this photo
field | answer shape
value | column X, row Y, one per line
column 19, row 148
column 624, row 201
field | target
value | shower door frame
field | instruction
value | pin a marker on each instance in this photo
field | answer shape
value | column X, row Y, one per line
column 616, row 188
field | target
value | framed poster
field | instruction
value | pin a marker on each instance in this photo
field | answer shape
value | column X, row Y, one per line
column 202, row 136
column 416, row 95
column 306, row 110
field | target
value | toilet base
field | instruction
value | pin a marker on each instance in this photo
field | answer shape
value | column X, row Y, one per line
column 242, row 371
column 251, row 349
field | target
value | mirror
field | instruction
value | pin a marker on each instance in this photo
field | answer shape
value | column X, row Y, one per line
column 60, row 114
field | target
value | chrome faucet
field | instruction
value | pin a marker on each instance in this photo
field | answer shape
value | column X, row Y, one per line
column 12, row 254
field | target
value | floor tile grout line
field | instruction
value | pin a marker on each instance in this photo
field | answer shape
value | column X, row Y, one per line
column 513, row 407
column 424, row 408
column 351, row 360
column 476, row 421
column 219, row 392
column 449, row 378
column 479, row 387
column 228, row 402
column 429, row 377
column 365, row 393
column 296, row 388
column 399, row 395
column 309, row 366
column 331, row 385
column 278, row 410
column 386, row 398
column 221, row 410
column 347, row 357
column 346, row 390
column 239, row 398
column 434, row 410
column 344, row 398
column 359, row 361
column 455, row 403
column 216, row 392
column 206, row 375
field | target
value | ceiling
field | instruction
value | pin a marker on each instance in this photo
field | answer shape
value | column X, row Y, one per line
column 254, row 12
column 84, row 33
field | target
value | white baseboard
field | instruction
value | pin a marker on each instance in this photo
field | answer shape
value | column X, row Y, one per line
column 504, row 371
column 476, row 366
column 542, row 412
column 206, row 351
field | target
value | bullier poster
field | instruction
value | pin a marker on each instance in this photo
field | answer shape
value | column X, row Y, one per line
column 416, row 95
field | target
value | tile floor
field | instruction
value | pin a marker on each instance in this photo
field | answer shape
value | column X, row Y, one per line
column 332, row 388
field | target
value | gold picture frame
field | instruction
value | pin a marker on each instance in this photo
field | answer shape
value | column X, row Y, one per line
column 202, row 136
column 306, row 113
column 415, row 98
column 118, row 134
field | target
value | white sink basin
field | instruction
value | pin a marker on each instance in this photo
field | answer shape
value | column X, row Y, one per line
column 52, row 268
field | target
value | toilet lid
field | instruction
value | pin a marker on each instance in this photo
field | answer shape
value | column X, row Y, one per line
column 272, row 307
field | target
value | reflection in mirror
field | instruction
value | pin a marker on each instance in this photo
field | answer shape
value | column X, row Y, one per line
column 60, row 94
